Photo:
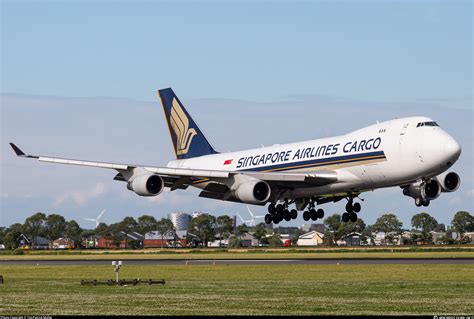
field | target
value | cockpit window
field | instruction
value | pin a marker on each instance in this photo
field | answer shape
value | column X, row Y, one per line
column 427, row 124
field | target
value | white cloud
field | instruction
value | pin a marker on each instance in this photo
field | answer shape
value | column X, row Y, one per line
column 81, row 197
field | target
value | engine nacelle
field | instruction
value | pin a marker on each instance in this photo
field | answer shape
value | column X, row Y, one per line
column 253, row 192
column 146, row 185
column 449, row 181
column 425, row 191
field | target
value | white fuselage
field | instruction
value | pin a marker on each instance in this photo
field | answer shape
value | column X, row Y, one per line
column 385, row 154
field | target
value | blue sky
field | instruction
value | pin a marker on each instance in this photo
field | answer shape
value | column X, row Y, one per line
column 313, row 68
column 247, row 50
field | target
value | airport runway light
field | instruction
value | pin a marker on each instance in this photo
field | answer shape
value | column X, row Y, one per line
column 117, row 265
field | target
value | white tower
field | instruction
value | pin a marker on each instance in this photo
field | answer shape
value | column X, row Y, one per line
column 180, row 220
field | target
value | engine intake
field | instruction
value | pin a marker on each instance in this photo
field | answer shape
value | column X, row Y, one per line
column 426, row 191
column 449, row 181
column 253, row 192
column 146, row 185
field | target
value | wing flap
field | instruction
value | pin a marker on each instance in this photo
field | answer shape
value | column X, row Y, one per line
column 318, row 178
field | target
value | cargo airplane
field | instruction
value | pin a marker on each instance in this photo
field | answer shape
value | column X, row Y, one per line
column 413, row 153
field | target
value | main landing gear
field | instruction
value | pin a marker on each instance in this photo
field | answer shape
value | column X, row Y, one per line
column 351, row 210
column 312, row 213
column 276, row 213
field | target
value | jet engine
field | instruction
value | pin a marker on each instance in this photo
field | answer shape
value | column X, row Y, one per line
column 423, row 192
column 146, row 185
column 253, row 191
column 449, row 181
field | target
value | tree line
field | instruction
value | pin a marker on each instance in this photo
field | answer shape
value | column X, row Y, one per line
column 205, row 228
column 422, row 226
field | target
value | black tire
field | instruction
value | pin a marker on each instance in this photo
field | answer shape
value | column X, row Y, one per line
column 426, row 203
column 313, row 214
column 353, row 217
column 294, row 214
column 280, row 208
column 345, row 217
column 306, row 216
column 271, row 209
column 418, row 202
column 287, row 215
column 268, row 219
column 276, row 221
column 356, row 207
column 349, row 207
column 320, row 213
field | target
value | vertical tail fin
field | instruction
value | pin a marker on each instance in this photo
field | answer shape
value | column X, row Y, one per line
column 188, row 140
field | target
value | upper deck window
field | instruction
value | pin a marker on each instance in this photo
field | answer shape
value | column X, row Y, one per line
column 427, row 124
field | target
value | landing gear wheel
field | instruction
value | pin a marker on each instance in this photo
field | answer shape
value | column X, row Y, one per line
column 268, row 219
column 353, row 217
column 349, row 207
column 313, row 214
column 294, row 214
column 276, row 221
column 279, row 216
column 287, row 215
column 280, row 208
column 306, row 215
column 418, row 202
column 345, row 217
column 320, row 213
column 356, row 207
column 426, row 203
column 271, row 209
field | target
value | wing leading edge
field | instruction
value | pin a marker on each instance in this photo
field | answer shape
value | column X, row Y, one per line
column 179, row 177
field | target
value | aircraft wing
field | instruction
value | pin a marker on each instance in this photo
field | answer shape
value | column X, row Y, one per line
column 186, row 176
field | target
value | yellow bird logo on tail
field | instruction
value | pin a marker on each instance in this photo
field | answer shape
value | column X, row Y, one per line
column 180, row 124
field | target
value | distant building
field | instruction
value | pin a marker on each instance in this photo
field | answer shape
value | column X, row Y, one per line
column 122, row 240
column 312, row 238
column 218, row 243
column 352, row 239
column 61, row 243
column 380, row 238
column 438, row 237
column 36, row 242
column 135, row 239
column 249, row 240
column 320, row 228
column 155, row 239
column 180, row 220
column 469, row 236
column 106, row 243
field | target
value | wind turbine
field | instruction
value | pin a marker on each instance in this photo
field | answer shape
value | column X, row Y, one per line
column 252, row 221
column 96, row 220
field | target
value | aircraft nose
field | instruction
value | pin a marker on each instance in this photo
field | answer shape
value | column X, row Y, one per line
column 452, row 149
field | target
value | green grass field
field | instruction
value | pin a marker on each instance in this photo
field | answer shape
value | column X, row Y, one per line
column 242, row 290
column 381, row 252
